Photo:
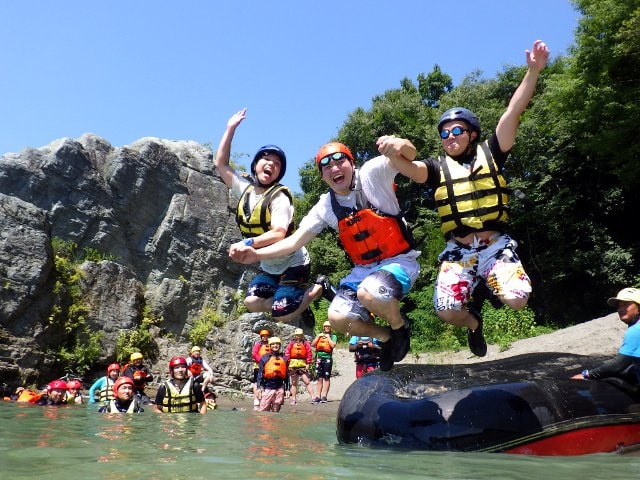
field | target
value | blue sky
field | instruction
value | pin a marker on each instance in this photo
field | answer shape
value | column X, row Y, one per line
column 125, row 69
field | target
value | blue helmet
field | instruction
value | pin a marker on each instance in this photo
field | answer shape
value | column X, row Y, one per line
column 459, row 113
column 270, row 149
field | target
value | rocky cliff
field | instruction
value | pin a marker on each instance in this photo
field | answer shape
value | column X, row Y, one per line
column 160, row 214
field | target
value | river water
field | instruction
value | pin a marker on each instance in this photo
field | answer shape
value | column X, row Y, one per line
column 77, row 442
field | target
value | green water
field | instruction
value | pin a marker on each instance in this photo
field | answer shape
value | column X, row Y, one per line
column 77, row 442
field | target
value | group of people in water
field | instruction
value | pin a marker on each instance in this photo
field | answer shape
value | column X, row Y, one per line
column 122, row 389
column 472, row 199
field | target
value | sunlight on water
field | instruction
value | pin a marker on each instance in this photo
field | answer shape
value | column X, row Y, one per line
column 77, row 442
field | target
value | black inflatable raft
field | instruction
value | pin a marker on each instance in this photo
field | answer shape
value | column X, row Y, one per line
column 524, row 404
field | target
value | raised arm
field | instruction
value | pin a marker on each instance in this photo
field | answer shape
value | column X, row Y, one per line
column 402, row 153
column 510, row 120
column 223, row 154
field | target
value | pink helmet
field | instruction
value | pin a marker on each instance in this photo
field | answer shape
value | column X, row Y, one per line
column 57, row 384
column 74, row 384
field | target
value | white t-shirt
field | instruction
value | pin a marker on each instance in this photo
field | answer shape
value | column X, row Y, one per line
column 281, row 216
column 376, row 180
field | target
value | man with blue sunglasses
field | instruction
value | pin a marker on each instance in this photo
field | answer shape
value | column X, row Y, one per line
column 362, row 207
column 471, row 197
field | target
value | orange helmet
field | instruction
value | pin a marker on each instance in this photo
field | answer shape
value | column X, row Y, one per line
column 112, row 367
column 121, row 381
column 265, row 332
column 332, row 149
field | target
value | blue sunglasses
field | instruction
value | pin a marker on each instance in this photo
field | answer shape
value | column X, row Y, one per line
column 333, row 157
column 456, row 131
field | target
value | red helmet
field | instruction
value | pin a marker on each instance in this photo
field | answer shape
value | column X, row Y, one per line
column 331, row 148
column 121, row 381
column 57, row 384
column 74, row 384
column 175, row 361
column 112, row 367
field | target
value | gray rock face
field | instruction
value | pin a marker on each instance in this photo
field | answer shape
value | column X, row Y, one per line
column 159, row 212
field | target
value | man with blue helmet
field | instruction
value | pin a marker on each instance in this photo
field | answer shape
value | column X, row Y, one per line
column 265, row 216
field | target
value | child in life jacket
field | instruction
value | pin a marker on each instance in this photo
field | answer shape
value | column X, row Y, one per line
column 74, row 395
column 102, row 389
column 273, row 378
column 260, row 348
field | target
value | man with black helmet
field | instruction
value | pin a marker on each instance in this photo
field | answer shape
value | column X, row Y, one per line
column 471, row 198
column 265, row 216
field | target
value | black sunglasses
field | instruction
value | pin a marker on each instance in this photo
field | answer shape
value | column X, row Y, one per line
column 444, row 134
column 334, row 156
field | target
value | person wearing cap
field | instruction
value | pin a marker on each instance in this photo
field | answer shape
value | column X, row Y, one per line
column 124, row 400
column 324, row 343
column 472, row 198
column 273, row 378
column 265, row 216
column 299, row 354
column 180, row 393
column 361, row 205
column 104, row 385
column 198, row 366
column 140, row 375
column 626, row 364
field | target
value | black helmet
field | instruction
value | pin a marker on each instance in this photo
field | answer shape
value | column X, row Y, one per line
column 270, row 149
column 459, row 113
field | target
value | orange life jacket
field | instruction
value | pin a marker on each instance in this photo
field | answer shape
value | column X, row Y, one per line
column 29, row 396
column 298, row 350
column 275, row 367
column 369, row 235
column 323, row 345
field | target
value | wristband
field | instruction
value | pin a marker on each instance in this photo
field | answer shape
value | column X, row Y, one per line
column 248, row 242
column 585, row 374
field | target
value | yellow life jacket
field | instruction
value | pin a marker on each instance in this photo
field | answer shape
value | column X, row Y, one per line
column 106, row 392
column 183, row 400
column 368, row 235
column 473, row 199
column 255, row 222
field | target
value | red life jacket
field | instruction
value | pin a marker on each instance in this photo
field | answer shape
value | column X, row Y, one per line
column 369, row 235
column 196, row 366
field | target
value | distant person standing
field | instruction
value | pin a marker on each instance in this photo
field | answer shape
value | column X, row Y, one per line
column 260, row 348
column 273, row 378
column 366, row 351
column 299, row 355
column 324, row 343
column 626, row 364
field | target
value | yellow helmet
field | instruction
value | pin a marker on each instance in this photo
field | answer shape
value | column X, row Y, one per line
column 326, row 324
column 195, row 348
column 136, row 356
column 298, row 331
column 273, row 340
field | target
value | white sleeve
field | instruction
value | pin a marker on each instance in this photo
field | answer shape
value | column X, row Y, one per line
column 281, row 211
column 377, row 177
